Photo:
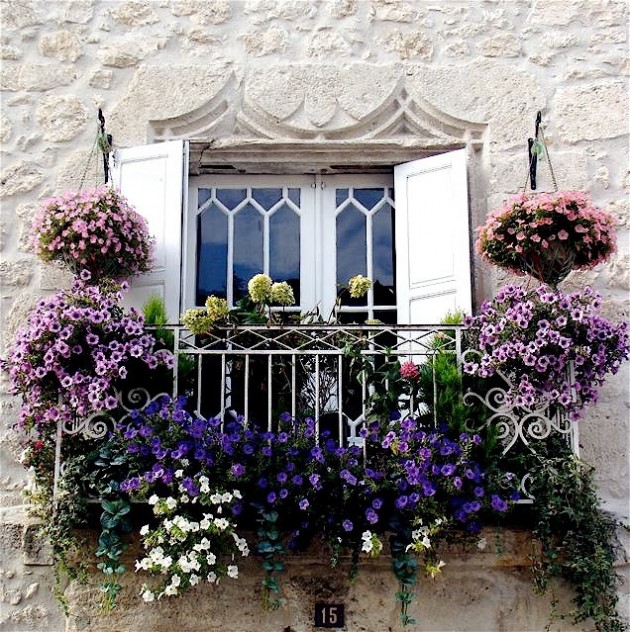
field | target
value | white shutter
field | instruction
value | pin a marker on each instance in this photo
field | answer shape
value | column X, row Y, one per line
column 432, row 238
column 152, row 179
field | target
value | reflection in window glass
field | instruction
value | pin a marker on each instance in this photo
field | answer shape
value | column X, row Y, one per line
column 231, row 197
column 267, row 197
column 351, row 248
column 369, row 198
column 284, row 248
column 248, row 249
column 383, row 256
column 294, row 196
column 212, row 240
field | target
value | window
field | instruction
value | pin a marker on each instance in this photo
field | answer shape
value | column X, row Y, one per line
column 313, row 231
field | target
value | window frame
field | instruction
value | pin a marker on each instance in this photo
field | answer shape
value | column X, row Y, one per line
column 318, row 256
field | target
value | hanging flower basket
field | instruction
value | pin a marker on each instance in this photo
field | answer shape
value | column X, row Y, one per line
column 95, row 230
column 547, row 235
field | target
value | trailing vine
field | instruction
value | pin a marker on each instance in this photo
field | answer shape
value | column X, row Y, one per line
column 577, row 540
column 271, row 550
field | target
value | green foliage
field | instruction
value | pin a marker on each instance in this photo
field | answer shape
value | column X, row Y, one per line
column 577, row 539
column 271, row 549
column 109, row 467
column 155, row 317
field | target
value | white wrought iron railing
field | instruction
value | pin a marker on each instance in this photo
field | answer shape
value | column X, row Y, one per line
column 319, row 371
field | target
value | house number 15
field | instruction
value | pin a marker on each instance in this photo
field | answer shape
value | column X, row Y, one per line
column 329, row 615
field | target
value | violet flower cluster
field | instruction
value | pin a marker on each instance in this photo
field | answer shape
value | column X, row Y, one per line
column 76, row 346
column 95, row 230
column 532, row 224
column 319, row 488
column 555, row 348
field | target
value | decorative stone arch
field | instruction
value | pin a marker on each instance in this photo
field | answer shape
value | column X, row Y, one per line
column 316, row 119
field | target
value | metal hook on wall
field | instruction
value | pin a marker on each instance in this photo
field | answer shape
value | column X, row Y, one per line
column 105, row 144
column 533, row 153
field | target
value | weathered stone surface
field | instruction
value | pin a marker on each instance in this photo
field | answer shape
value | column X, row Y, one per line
column 5, row 128
column 16, row 273
column 501, row 45
column 202, row 12
column 62, row 45
column 35, row 550
column 314, row 94
column 134, row 13
column 621, row 210
column 61, row 118
column 266, row 41
column 25, row 214
column 189, row 87
column 17, row 15
column 325, row 43
column 10, row 52
column 508, row 173
column 342, row 8
column 17, row 315
column 73, row 11
column 487, row 91
column 588, row 112
column 609, row 36
column 5, row 231
column 619, row 271
column 127, row 52
column 39, row 78
column 414, row 45
column 558, row 12
column 560, row 39
column 260, row 11
column 54, row 276
column 602, row 176
column 9, row 78
column 101, row 79
column 394, row 11
column 457, row 47
column 20, row 178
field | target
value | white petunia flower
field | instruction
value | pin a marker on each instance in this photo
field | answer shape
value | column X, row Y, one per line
column 171, row 503
column 148, row 596
column 221, row 523
column 232, row 571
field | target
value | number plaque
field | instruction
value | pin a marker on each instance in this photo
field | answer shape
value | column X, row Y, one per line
column 329, row 615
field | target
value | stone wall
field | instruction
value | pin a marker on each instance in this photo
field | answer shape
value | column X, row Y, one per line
column 461, row 72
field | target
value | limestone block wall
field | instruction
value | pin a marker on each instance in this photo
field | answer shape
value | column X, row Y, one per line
column 300, row 72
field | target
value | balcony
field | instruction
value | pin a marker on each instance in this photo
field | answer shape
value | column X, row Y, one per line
column 341, row 376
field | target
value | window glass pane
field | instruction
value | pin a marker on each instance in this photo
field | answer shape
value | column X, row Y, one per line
column 267, row 197
column 247, row 247
column 351, row 249
column 352, row 318
column 368, row 197
column 231, row 197
column 383, row 256
column 284, row 248
column 212, row 238
column 342, row 196
column 203, row 195
column 390, row 317
column 294, row 196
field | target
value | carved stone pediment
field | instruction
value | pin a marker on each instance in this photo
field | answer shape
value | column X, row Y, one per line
column 314, row 109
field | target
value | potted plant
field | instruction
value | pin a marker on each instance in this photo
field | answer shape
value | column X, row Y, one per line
column 547, row 235
column 536, row 337
column 95, row 230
